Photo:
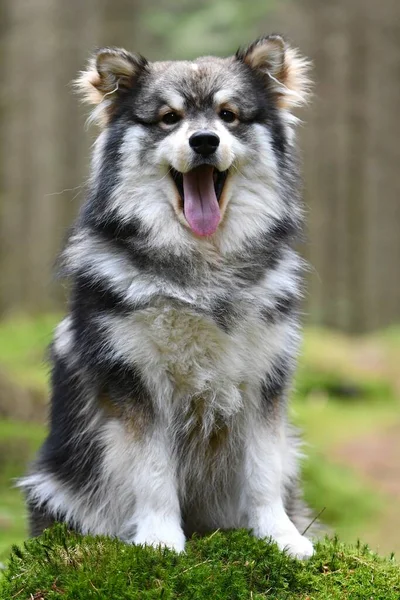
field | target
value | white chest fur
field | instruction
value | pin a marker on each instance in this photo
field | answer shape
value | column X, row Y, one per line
column 195, row 353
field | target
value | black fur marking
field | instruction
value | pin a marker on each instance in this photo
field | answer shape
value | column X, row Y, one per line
column 223, row 311
column 108, row 175
column 194, row 101
column 125, row 388
column 285, row 230
column 255, row 258
column 110, row 161
column 95, row 296
column 278, row 136
column 252, row 273
column 275, row 383
column 181, row 270
column 265, row 252
column 282, row 307
column 71, row 452
column 112, row 228
column 91, row 342
column 132, row 241
column 118, row 380
column 39, row 519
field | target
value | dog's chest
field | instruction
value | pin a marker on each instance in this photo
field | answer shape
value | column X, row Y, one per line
column 198, row 354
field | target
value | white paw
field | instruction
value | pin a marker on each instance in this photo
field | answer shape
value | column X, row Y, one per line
column 165, row 535
column 296, row 545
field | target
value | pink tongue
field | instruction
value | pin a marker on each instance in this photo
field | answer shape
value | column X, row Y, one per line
column 201, row 205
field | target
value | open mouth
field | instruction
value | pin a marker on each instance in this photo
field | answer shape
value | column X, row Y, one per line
column 200, row 190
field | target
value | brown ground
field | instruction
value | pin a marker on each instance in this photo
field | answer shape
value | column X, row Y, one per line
column 377, row 458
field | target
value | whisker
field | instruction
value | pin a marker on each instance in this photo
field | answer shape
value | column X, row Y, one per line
column 238, row 170
column 164, row 176
column 78, row 187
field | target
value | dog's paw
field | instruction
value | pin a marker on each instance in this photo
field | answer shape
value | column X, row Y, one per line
column 297, row 546
column 166, row 536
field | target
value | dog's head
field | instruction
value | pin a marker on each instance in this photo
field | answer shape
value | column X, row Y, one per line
column 197, row 138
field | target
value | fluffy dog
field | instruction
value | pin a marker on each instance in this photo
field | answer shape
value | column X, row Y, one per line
column 172, row 369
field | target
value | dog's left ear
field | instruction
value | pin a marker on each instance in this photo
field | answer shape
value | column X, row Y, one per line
column 282, row 66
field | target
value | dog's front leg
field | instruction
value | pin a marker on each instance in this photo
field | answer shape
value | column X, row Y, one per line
column 266, row 466
column 157, row 519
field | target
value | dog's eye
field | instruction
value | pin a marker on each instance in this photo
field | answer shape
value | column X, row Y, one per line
column 227, row 115
column 171, row 118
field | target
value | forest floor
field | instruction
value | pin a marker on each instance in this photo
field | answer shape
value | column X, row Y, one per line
column 376, row 457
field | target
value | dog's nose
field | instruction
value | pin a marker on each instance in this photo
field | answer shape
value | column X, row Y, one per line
column 204, row 142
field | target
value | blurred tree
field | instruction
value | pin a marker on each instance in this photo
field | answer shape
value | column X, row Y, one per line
column 45, row 148
column 183, row 29
column 351, row 158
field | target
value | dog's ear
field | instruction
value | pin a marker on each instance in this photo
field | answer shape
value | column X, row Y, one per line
column 109, row 73
column 282, row 66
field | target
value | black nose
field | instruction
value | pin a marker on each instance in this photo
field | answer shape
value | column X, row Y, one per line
column 204, row 142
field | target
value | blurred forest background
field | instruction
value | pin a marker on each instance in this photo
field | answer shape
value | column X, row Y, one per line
column 348, row 385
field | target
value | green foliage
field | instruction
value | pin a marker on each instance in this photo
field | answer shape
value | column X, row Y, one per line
column 334, row 365
column 184, row 29
column 231, row 565
column 331, row 384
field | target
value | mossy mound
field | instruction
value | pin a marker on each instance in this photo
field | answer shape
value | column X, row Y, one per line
column 234, row 565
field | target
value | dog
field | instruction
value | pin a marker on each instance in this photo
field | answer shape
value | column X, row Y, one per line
column 171, row 371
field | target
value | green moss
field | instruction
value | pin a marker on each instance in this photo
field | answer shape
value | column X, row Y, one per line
column 230, row 565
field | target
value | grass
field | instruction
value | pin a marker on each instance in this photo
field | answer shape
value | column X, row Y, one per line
column 23, row 343
column 364, row 367
column 348, row 503
column 230, row 565
column 18, row 444
column 326, row 424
